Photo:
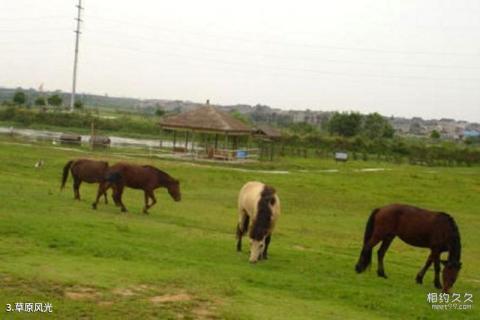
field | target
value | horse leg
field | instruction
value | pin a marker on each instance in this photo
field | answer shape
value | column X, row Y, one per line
column 366, row 253
column 105, row 195
column 436, row 264
column 146, row 203
column 76, row 187
column 421, row 273
column 101, row 190
column 154, row 200
column 242, row 227
column 118, row 196
column 267, row 243
column 104, row 187
column 114, row 194
column 381, row 253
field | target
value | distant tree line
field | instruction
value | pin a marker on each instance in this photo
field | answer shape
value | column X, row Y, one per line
column 124, row 123
column 20, row 99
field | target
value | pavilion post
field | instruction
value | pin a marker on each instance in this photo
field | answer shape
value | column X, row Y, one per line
column 235, row 142
column 272, row 150
column 160, row 138
column 186, row 140
column 193, row 144
column 174, row 138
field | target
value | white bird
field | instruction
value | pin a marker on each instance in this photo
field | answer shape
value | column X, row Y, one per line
column 39, row 164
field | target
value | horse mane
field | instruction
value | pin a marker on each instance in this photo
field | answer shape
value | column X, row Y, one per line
column 264, row 213
column 455, row 245
column 161, row 173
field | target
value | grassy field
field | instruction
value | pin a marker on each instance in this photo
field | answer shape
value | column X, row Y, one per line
column 180, row 261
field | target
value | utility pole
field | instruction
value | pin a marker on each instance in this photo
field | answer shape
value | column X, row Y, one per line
column 77, row 38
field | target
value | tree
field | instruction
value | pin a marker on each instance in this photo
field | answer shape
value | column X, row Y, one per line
column 78, row 105
column 239, row 116
column 159, row 112
column 302, row 128
column 40, row 101
column 435, row 135
column 55, row 100
column 376, row 126
column 345, row 124
column 19, row 98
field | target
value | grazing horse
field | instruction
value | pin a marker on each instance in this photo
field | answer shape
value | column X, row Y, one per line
column 146, row 178
column 258, row 211
column 417, row 227
column 90, row 171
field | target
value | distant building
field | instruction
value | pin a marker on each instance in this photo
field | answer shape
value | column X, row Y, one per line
column 471, row 134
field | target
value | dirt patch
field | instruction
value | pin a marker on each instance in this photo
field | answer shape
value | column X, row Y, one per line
column 81, row 293
column 300, row 248
column 134, row 290
column 171, row 298
column 105, row 303
column 124, row 292
column 143, row 288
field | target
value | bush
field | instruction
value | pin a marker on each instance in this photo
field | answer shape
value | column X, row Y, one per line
column 77, row 120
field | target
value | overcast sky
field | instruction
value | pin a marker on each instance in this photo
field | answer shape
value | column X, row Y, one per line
column 403, row 58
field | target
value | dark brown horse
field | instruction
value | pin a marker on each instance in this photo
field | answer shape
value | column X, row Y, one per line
column 417, row 227
column 146, row 178
column 85, row 170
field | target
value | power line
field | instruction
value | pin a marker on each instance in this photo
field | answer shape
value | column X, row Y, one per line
column 306, row 45
column 6, row 19
column 236, row 51
column 75, row 61
column 276, row 68
column 32, row 30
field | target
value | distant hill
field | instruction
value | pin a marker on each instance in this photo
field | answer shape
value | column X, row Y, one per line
column 449, row 128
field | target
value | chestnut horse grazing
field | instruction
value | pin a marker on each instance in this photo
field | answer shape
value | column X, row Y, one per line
column 85, row 170
column 417, row 227
column 258, row 211
column 146, row 178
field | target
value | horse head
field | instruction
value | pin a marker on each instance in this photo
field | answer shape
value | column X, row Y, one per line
column 450, row 273
column 256, row 250
column 174, row 190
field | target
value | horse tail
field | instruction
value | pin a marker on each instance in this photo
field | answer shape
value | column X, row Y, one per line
column 113, row 177
column 65, row 172
column 366, row 254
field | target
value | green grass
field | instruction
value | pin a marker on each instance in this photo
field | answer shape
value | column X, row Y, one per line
column 103, row 264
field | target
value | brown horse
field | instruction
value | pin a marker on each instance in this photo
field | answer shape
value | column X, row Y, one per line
column 146, row 178
column 417, row 227
column 85, row 170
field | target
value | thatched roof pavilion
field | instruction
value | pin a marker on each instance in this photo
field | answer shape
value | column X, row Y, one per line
column 266, row 131
column 208, row 121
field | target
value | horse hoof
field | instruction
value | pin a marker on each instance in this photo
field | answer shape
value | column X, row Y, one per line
column 124, row 210
column 94, row 206
column 438, row 285
column 382, row 274
column 419, row 280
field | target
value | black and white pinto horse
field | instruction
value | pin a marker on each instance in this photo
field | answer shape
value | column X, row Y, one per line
column 258, row 211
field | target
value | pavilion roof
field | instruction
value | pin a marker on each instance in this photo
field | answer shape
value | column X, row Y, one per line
column 207, row 119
